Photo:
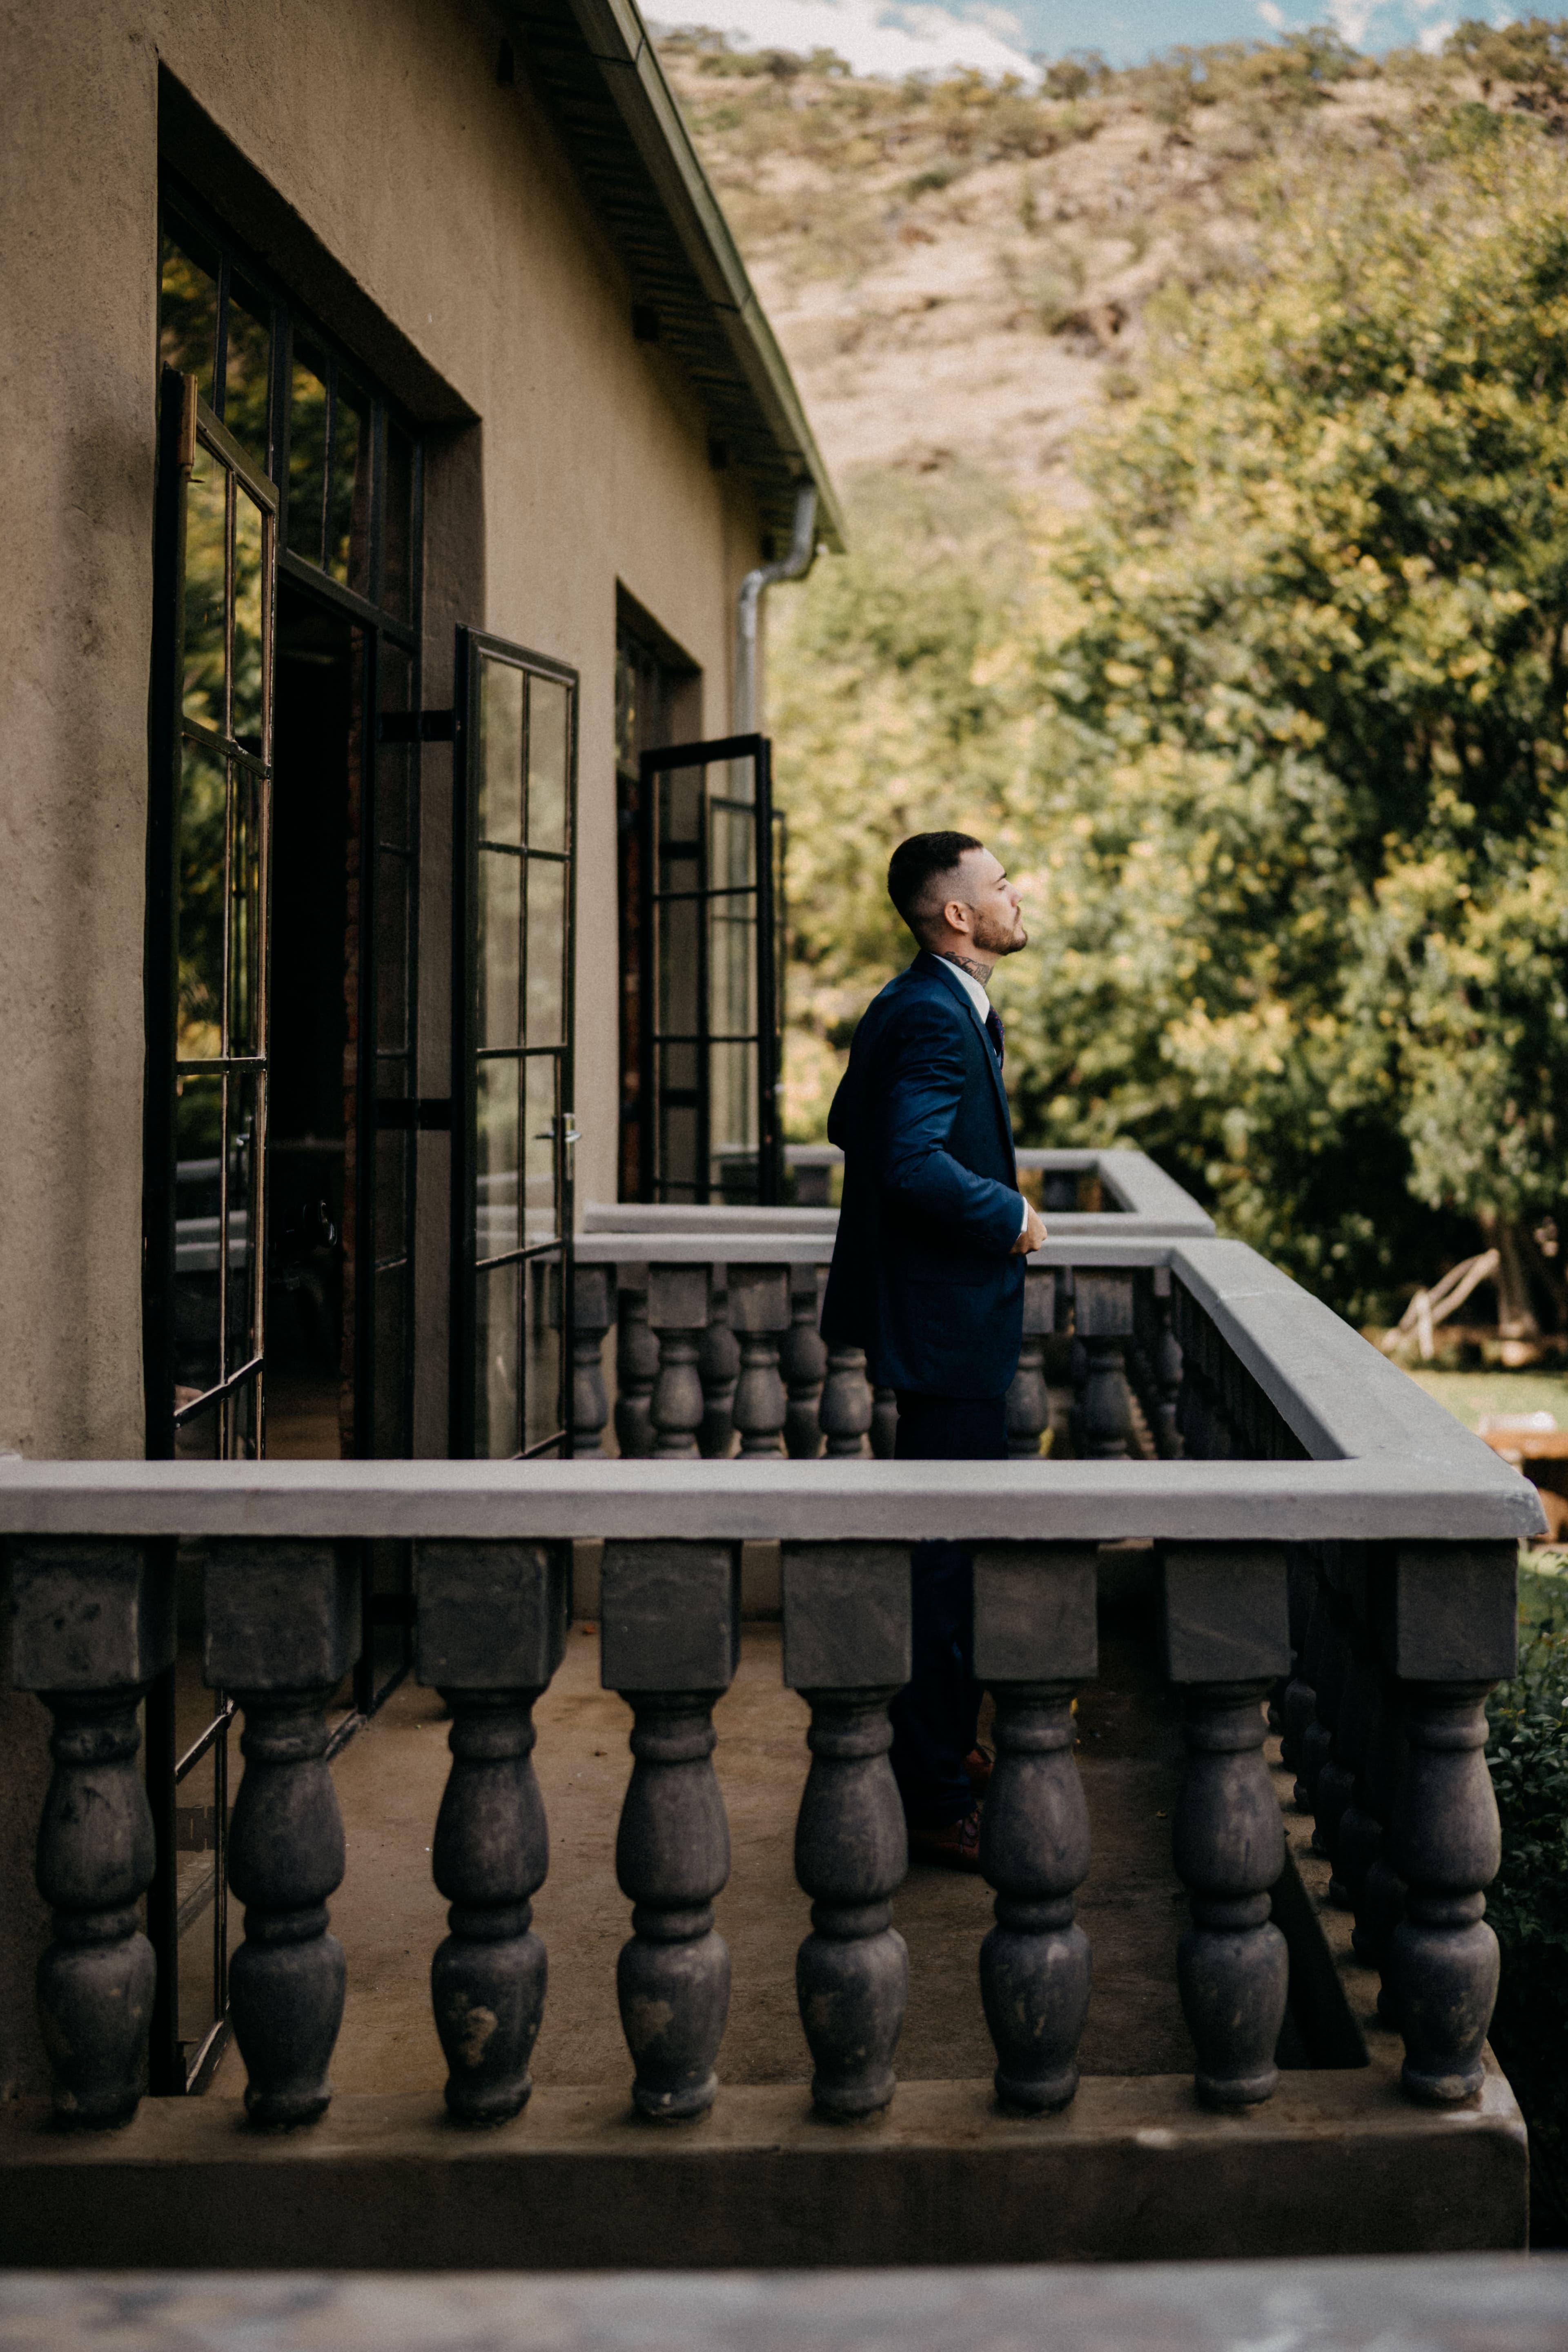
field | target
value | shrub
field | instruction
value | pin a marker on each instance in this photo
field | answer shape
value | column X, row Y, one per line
column 1528, row 1903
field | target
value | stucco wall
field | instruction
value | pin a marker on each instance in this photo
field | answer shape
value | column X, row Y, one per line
column 444, row 197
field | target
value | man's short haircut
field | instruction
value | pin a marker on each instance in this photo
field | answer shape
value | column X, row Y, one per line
column 916, row 865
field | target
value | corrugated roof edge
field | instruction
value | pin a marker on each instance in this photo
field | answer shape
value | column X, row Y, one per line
column 621, row 47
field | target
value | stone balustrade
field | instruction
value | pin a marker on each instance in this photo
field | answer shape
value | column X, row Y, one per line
column 1326, row 1538
column 715, row 1313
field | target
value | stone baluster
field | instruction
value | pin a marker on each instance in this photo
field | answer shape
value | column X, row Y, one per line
column 282, row 1629
column 92, row 1623
column 1035, row 1641
column 678, row 1312
column 1226, row 1638
column 719, row 1370
column 1453, row 1633
column 759, row 1308
column 491, row 1632
column 1102, row 1316
column 845, row 1401
column 636, row 1369
column 593, row 1312
column 1028, row 1407
column 884, row 1423
column 670, row 1644
column 803, row 1363
column 846, row 1650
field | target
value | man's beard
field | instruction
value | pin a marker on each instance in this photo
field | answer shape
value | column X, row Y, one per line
column 990, row 938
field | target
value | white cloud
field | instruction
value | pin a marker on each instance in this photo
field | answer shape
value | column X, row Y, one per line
column 1351, row 18
column 1272, row 16
column 880, row 36
column 1433, row 38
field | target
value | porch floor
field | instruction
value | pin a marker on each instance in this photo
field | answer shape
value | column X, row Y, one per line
column 390, row 1917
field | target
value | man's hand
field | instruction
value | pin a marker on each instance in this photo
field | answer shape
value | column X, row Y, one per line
column 1032, row 1235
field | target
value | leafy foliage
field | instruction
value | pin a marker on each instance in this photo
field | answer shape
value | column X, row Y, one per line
column 1276, row 738
column 1528, row 1901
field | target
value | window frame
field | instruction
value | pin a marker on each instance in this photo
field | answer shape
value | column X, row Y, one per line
column 474, row 648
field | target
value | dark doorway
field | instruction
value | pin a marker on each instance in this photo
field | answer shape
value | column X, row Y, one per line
column 318, row 722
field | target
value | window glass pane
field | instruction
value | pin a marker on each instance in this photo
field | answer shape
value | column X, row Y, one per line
column 395, row 762
column 206, row 543
column 677, row 1135
column 244, row 1204
column 546, row 952
column 348, row 521
column 248, row 368
column 244, row 912
column 677, row 928
column 732, row 967
column 203, row 825
column 392, row 972
column 731, row 846
column 187, row 310
column 495, row 1158
column 391, row 1432
column 549, row 716
column 680, row 828
column 500, row 909
column 732, row 1122
column 397, row 523
column 496, row 1419
column 542, row 1342
column 198, row 1167
column 200, row 1438
column 392, row 1145
column 249, row 589
column 541, row 1152
column 500, row 752
column 307, row 453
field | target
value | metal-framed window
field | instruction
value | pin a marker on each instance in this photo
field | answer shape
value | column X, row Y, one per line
column 711, row 1023
column 288, row 523
column 513, row 918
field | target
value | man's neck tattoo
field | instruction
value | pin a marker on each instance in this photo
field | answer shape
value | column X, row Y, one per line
column 977, row 971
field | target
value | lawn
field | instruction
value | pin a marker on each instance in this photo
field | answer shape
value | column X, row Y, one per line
column 1469, row 1395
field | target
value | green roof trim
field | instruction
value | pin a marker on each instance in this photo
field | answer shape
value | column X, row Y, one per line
column 597, row 68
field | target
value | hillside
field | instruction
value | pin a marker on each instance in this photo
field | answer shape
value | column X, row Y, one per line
column 960, row 273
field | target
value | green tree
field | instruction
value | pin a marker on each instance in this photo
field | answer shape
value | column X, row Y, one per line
column 1278, row 736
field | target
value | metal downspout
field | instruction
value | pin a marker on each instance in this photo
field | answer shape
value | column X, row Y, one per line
column 794, row 566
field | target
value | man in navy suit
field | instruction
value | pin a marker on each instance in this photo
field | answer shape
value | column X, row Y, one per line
column 928, row 1273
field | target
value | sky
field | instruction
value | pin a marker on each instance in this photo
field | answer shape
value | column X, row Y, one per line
column 899, row 37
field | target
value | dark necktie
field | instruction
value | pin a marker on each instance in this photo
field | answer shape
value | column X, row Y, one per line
column 993, row 1031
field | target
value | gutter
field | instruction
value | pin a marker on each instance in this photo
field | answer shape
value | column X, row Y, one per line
column 619, row 42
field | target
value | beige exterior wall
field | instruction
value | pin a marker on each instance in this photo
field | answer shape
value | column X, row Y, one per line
column 444, row 199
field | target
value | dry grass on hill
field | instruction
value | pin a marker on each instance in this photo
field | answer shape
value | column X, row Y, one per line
column 960, row 272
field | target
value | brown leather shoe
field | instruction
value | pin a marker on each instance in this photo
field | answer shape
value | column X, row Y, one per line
column 952, row 1845
column 979, row 1765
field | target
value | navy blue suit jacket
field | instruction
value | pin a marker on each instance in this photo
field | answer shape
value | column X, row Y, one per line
column 923, row 1275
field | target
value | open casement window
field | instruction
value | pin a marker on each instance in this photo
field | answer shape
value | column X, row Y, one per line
column 512, row 1121
column 204, row 1173
column 710, row 1033
column 209, row 835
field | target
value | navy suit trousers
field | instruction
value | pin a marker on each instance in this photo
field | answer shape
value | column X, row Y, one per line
column 936, row 1716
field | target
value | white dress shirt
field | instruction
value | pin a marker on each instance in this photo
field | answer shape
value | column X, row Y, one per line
column 981, row 1005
